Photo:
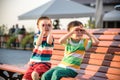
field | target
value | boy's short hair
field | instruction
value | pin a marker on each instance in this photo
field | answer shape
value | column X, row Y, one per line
column 43, row 18
column 73, row 24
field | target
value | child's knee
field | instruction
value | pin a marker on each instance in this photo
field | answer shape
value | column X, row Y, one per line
column 35, row 75
column 44, row 76
column 57, row 73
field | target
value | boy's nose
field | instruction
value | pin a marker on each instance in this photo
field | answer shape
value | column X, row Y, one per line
column 79, row 32
column 46, row 27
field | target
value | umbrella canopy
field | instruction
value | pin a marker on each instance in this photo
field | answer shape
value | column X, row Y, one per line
column 112, row 16
column 59, row 9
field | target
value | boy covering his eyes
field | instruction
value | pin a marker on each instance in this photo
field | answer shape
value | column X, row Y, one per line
column 40, row 58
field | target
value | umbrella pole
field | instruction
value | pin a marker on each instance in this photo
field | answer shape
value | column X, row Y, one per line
column 99, row 14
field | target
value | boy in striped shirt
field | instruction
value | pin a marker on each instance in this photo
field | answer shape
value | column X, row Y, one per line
column 43, row 43
column 75, row 46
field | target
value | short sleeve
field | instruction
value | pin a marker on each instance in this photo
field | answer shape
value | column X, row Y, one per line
column 89, row 44
column 35, row 38
column 67, row 41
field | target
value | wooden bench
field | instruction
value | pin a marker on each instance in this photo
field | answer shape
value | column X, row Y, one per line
column 101, row 62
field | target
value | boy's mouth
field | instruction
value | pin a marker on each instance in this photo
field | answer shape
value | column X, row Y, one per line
column 46, row 30
column 79, row 35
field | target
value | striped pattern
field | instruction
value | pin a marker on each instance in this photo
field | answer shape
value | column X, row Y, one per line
column 74, row 53
column 43, row 53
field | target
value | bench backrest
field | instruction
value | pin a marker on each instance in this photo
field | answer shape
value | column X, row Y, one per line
column 101, row 61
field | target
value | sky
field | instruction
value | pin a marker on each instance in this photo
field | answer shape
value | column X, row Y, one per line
column 11, row 9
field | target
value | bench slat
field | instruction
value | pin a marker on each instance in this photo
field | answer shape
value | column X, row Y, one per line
column 88, row 77
column 99, row 74
column 58, row 52
column 101, row 43
column 55, row 62
column 104, row 50
column 108, row 57
column 103, row 69
column 12, row 68
column 109, row 44
column 109, row 37
column 59, row 47
column 101, row 62
column 56, row 57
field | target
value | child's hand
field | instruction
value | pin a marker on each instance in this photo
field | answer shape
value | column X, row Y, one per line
column 50, row 29
column 83, row 30
column 79, row 28
column 75, row 29
column 42, row 29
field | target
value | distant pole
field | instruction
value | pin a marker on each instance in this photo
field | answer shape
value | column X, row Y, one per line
column 99, row 14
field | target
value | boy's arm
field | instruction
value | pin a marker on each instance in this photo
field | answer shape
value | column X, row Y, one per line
column 95, row 41
column 39, row 40
column 63, row 39
column 50, row 38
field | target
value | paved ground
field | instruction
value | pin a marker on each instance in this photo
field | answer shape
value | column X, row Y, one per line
column 14, row 57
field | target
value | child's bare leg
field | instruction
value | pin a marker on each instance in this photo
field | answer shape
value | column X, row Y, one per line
column 35, row 75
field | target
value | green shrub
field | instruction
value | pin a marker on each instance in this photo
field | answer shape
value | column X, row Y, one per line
column 26, row 39
column 11, row 40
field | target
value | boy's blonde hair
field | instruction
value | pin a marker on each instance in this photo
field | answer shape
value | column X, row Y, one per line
column 74, row 24
column 43, row 18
